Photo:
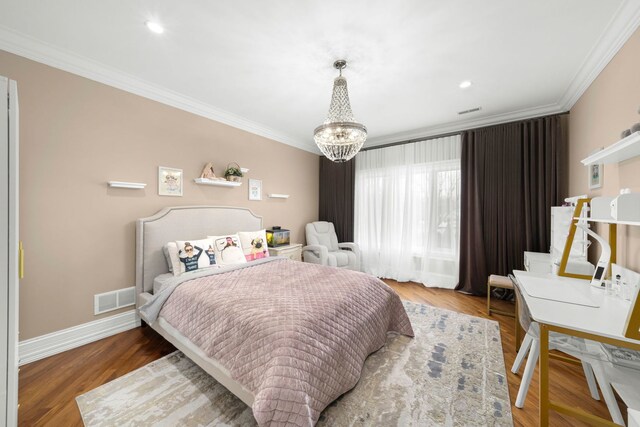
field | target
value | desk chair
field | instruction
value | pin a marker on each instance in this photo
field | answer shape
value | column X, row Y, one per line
column 500, row 282
column 531, row 345
column 624, row 379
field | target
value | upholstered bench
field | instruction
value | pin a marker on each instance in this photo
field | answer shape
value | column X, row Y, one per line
column 502, row 282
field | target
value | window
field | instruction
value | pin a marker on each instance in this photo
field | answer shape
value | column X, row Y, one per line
column 407, row 210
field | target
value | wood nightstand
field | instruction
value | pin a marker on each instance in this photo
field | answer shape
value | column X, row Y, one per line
column 292, row 251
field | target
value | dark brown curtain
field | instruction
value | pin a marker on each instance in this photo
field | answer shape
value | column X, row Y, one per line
column 337, row 187
column 511, row 176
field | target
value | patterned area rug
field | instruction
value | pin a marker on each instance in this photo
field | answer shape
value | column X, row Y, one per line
column 451, row 374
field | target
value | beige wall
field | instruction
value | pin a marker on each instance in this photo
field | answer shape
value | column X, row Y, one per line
column 609, row 106
column 79, row 236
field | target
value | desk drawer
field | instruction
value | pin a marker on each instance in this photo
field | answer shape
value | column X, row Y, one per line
column 537, row 262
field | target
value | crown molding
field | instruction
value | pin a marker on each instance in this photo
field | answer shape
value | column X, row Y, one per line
column 36, row 50
column 624, row 23
column 458, row 126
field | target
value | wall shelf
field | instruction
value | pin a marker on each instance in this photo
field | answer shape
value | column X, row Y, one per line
column 608, row 221
column 622, row 150
column 217, row 182
column 278, row 196
column 129, row 185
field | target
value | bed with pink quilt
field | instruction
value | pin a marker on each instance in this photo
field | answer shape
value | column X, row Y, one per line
column 286, row 337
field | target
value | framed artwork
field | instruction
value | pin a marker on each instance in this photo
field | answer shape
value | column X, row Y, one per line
column 596, row 173
column 169, row 181
column 255, row 189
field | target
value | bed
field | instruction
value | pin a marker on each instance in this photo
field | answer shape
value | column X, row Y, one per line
column 335, row 318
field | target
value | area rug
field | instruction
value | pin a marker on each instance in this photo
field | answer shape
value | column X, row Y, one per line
column 451, row 374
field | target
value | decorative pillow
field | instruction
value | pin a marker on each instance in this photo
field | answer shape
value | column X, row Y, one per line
column 167, row 255
column 193, row 255
column 228, row 249
column 254, row 244
column 172, row 250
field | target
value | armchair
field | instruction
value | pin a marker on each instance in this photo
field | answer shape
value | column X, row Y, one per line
column 323, row 247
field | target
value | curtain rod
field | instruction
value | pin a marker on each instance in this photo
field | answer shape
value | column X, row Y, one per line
column 409, row 141
column 444, row 135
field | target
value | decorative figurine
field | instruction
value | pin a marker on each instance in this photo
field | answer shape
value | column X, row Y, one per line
column 207, row 172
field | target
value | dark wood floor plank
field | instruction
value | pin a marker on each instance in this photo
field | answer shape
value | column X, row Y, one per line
column 48, row 387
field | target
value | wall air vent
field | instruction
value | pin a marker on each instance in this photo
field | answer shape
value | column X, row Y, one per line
column 472, row 110
column 114, row 300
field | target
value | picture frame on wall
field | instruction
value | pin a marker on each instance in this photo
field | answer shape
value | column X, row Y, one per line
column 596, row 172
column 170, row 181
column 255, row 189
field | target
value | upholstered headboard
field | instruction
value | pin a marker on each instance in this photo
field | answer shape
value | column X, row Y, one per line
column 182, row 223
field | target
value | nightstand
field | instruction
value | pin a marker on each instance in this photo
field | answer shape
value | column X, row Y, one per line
column 292, row 251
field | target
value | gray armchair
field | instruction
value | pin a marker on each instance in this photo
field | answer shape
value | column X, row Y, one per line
column 323, row 247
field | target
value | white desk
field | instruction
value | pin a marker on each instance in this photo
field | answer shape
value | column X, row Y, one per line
column 607, row 320
column 634, row 418
column 604, row 323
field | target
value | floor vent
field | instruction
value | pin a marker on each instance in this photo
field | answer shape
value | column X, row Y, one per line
column 114, row 300
column 472, row 110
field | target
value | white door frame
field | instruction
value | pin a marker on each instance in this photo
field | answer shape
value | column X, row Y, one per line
column 9, row 251
column 15, row 252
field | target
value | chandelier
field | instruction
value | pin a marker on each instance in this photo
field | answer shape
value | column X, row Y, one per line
column 340, row 137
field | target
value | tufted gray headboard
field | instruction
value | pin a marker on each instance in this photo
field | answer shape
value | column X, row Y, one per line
column 182, row 223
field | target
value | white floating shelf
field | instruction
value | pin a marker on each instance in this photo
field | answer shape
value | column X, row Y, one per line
column 609, row 221
column 217, row 182
column 622, row 150
column 278, row 196
column 130, row 185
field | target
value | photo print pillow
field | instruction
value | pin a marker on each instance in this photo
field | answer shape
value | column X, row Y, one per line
column 194, row 255
column 228, row 249
column 254, row 244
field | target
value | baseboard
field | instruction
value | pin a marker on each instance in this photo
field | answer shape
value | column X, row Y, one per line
column 56, row 342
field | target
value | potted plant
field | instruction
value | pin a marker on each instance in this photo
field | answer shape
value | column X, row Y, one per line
column 233, row 172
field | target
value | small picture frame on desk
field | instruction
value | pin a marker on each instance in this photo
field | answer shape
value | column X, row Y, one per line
column 169, row 181
column 596, row 172
column 255, row 189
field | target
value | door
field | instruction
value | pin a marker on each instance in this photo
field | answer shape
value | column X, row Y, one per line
column 9, row 257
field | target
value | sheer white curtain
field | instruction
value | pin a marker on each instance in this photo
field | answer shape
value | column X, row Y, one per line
column 407, row 211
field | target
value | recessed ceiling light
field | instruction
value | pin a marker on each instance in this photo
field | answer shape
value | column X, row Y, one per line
column 465, row 84
column 154, row 27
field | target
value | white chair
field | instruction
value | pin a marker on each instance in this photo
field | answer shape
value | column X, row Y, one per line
column 323, row 247
column 623, row 376
column 530, row 348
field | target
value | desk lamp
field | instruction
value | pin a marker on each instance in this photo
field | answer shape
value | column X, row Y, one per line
column 605, row 256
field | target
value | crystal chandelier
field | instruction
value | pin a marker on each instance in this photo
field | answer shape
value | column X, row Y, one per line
column 340, row 137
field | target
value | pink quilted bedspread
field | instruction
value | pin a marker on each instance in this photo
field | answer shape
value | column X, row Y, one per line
column 296, row 335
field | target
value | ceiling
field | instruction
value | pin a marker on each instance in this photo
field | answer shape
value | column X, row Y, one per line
column 266, row 65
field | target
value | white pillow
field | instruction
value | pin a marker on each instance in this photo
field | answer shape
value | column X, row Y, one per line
column 167, row 255
column 172, row 252
column 254, row 244
column 193, row 255
column 228, row 249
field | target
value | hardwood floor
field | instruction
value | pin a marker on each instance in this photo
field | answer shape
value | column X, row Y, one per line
column 48, row 387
